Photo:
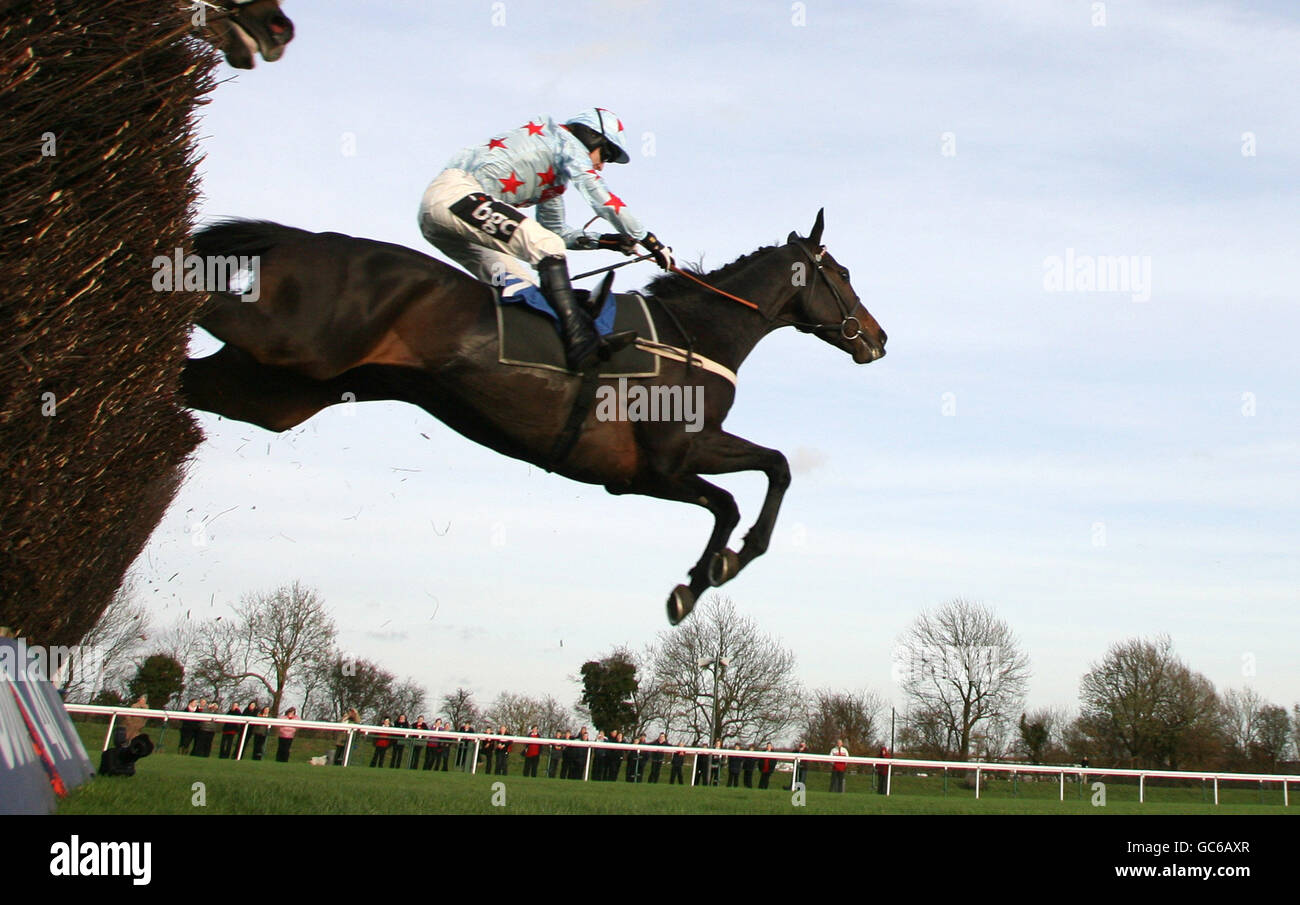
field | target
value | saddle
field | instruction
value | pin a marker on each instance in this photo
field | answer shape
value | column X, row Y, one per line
column 527, row 336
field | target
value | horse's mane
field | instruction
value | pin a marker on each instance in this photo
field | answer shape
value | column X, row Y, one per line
column 670, row 283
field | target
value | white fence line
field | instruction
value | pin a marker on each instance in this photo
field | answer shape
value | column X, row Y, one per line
column 352, row 729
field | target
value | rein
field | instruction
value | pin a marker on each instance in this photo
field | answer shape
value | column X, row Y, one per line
column 842, row 326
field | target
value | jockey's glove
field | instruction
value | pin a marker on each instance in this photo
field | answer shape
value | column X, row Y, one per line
column 617, row 242
column 663, row 255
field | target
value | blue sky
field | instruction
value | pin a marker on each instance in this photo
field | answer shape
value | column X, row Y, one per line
column 1168, row 425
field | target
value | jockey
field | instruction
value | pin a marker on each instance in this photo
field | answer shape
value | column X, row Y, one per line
column 470, row 212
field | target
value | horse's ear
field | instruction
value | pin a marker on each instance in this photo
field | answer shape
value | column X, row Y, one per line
column 815, row 238
column 792, row 238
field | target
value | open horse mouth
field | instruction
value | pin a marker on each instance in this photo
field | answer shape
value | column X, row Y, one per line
column 253, row 28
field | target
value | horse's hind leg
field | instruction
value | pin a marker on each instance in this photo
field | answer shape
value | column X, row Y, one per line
column 233, row 384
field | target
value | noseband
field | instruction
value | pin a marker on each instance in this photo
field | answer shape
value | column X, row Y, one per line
column 845, row 330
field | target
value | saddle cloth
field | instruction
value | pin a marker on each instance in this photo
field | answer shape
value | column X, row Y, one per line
column 528, row 338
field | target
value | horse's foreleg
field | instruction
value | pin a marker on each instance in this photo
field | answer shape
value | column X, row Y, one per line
column 725, row 453
column 691, row 488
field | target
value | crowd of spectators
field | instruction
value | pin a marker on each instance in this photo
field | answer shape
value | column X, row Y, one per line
column 398, row 749
column 198, row 736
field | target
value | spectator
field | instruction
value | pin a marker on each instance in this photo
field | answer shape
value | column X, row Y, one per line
column 207, row 731
column 715, row 763
column 463, row 746
column 578, row 756
column 679, row 761
column 418, row 743
column 734, row 763
column 432, row 745
column 747, row 764
column 188, row 728
column 242, row 746
column 555, row 757
column 442, row 746
column 400, row 741
column 634, row 760
column 532, row 754
column 134, row 725
column 341, row 752
column 230, row 732
column 882, row 772
column 382, row 744
column 286, row 736
column 840, row 767
column 765, row 768
column 615, row 760
column 503, row 752
column 801, row 766
column 657, row 758
column 487, row 749
column 259, row 731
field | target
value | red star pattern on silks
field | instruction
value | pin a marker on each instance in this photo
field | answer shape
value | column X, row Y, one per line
column 533, row 128
column 616, row 203
column 511, row 185
column 548, row 177
column 496, row 143
column 554, row 191
column 594, row 173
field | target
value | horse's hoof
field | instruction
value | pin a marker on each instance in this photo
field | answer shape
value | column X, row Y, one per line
column 680, row 603
column 724, row 566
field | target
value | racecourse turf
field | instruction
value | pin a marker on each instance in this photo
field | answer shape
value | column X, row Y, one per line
column 166, row 783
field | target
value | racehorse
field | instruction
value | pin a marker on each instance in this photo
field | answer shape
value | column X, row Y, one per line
column 344, row 319
column 241, row 29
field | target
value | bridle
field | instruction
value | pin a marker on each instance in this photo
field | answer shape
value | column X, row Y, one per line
column 844, row 309
column 817, row 261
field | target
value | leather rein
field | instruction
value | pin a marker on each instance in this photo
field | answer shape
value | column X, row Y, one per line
column 817, row 261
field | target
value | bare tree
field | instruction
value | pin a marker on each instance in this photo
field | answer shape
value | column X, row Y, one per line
column 355, row 682
column 962, row 667
column 222, row 662
column 1273, row 737
column 1143, row 707
column 719, row 675
column 1241, row 713
column 850, row 715
column 108, row 651
column 519, row 713
column 407, row 696
column 459, row 708
column 275, row 639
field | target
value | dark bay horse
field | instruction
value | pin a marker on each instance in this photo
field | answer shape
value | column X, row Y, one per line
column 344, row 319
column 241, row 29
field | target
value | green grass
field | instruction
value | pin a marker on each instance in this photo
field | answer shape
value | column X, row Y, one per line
column 164, row 784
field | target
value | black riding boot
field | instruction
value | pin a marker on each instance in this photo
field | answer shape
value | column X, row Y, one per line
column 582, row 345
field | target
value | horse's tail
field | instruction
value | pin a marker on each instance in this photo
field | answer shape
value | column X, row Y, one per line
column 242, row 237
